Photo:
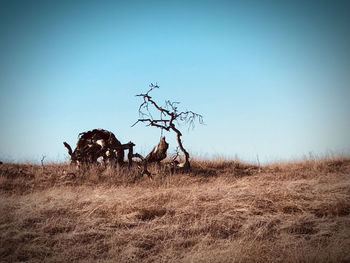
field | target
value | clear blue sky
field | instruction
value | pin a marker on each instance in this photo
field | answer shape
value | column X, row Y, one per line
column 271, row 78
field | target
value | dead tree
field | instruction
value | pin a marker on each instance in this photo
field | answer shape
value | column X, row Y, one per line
column 98, row 143
column 169, row 115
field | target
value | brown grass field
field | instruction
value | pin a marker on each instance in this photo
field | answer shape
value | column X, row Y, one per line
column 223, row 211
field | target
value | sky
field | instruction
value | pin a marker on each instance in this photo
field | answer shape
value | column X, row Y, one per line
column 271, row 78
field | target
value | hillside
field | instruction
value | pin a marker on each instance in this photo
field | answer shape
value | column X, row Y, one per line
column 224, row 211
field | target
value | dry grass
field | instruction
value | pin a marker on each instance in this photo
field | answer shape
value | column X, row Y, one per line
column 224, row 211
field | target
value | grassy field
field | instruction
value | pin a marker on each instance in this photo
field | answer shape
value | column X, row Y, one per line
column 223, row 211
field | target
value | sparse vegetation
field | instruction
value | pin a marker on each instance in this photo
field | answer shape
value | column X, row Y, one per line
column 223, row 211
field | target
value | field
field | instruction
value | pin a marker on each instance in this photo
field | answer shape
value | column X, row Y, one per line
column 223, row 211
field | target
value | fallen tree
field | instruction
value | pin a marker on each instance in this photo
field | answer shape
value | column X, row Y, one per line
column 99, row 143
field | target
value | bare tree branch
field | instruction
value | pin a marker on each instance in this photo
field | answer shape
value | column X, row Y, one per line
column 177, row 154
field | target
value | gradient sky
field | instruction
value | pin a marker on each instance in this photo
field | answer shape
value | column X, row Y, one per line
column 271, row 78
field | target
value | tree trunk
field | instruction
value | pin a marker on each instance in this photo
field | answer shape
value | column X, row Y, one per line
column 186, row 165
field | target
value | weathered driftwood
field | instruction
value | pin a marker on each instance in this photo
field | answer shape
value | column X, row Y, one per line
column 157, row 154
column 98, row 143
